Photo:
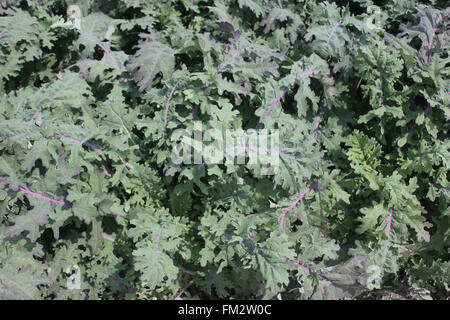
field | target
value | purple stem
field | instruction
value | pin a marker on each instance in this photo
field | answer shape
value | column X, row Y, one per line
column 35, row 114
column 3, row 31
column 37, row 3
column 110, row 56
column 422, row 245
column 304, row 268
column 70, row 139
column 301, row 266
column 106, row 237
column 415, row 124
column 304, row 74
column 248, row 245
column 116, row 65
column 417, row 248
column 274, row 103
column 84, row 143
column 317, row 124
column 93, row 146
column 296, row 201
column 14, row 136
column 445, row 93
column 333, row 260
column 168, row 102
column 307, row 73
column 34, row 194
column 433, row 30
column 57, row 94
column 295, row 262
column 158, row 238
column 332, row 31
column 114, row 282
column 412, row 128
column 51, row 100
column 390, row 222
column 182, row 290
column 92, row 26
column 114, row 214
column 389, row 229
column 223, row 64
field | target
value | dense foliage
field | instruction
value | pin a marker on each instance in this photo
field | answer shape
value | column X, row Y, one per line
column 92, row 91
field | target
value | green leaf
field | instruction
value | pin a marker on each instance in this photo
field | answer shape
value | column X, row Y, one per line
column 156, row 266
column 151, row 59
column 31, row 221
column 271, row 263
